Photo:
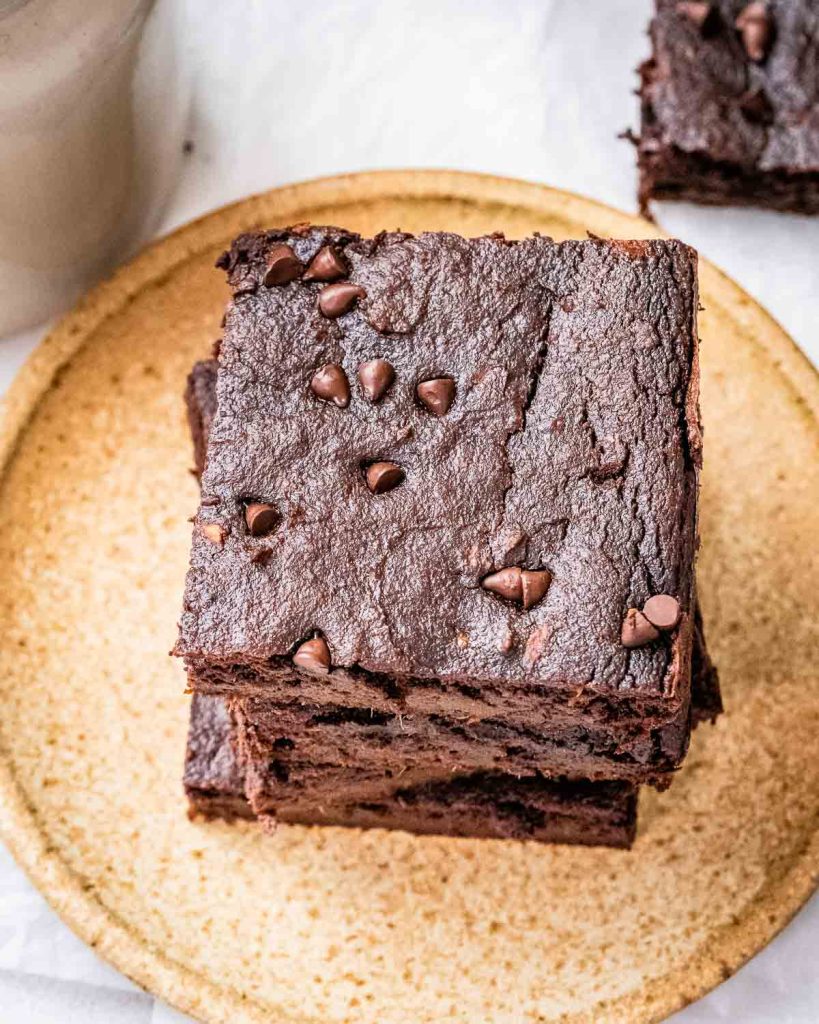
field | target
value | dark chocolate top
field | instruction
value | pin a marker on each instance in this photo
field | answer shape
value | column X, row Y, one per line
column 571, row 445
column 747, row 94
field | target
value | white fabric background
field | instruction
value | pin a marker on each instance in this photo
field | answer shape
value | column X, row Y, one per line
column 537, row 89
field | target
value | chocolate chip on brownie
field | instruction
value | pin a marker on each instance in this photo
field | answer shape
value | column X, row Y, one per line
column 375, row 377
column 337, row 299
column 437, row 395
column 662, row 611
column 282, row 266
column 260, row 518
column 313, row 656
column 331, row 385
column 326, row 265
column 383, row 476
column 756, row 28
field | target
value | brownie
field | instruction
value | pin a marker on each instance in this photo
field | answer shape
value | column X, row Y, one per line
column 482, row 806
column 281, row 787
column 475, row 463
column 298, row 747
column 730, row 104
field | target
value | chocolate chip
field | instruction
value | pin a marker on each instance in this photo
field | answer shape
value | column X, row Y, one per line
column 260, row 518
column 697, row 11
column 330, row 384
column 534, row 584
column 756, row 28
column 662, row 611
column 261, row 556
column 383, row 476
column 337, row 299
column 756, row 106
column 283, row 266
column 375, row 377
column 636, row 630
column 313, row 656
column 437, row 395
column 327, row 265
column 505, row 582
column 213, row 532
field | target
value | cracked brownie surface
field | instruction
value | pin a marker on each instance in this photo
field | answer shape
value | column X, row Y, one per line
column 568, row 452
column 730, row 104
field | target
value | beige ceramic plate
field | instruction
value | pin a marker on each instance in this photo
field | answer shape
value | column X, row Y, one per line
column 328, row 925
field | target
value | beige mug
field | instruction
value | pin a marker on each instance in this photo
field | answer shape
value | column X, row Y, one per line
column 93, row 110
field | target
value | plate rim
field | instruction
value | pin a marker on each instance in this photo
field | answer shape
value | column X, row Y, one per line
column 71, row 896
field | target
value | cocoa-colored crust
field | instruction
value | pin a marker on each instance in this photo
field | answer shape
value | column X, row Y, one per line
column 480, row 805
column 572, row 445
column 718, row 127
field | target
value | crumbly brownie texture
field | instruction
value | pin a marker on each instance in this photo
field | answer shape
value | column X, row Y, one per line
column 730, row 104
column 490, row 806
column 567, row 455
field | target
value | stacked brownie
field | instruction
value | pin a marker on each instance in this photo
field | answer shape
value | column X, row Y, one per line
column 442, row 571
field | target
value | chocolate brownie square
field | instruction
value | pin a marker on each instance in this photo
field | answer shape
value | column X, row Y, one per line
column 480, row 806
column 730, row 104
column 459, row 480
column 283, row 786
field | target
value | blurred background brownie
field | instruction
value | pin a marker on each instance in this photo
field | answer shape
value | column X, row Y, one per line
column 730, row 104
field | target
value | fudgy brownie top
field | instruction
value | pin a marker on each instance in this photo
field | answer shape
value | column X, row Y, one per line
column 385, row 446
column 735, row 80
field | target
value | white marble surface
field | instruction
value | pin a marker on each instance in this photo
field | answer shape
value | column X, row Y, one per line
column 531, row 88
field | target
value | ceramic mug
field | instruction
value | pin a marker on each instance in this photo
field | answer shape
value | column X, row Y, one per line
column 93, row 110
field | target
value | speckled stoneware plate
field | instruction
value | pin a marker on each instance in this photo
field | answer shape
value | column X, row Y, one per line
column 318, row 926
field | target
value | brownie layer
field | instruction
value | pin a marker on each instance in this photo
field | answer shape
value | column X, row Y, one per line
column 730, row 115
column 213, row 779
column 367, row 739
column 200, row 404
column 478, row 805
column 321, row 754
column 571, row 446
